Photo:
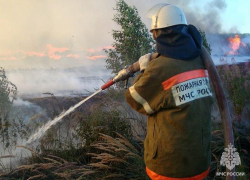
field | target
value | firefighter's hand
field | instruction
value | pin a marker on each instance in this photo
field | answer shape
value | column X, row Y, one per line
column 123, row 75
column 144, row 61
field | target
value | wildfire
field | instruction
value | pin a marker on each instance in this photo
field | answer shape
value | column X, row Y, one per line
column 234, row 44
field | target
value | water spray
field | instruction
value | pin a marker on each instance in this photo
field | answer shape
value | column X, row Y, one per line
column 45, row 127
column 123, row 75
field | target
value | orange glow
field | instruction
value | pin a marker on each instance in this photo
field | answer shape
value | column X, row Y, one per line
column 32, row 53
column 8, row 53
column 8, row 58
column 96, row 57
column 13, row 58
column 51, row 51
column 234, row 44
column 76, row 56
column 91, row 50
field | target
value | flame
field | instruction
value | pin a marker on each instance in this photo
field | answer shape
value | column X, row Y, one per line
column 234, row 44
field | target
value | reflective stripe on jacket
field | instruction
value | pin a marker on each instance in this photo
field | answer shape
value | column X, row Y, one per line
column 176, row 97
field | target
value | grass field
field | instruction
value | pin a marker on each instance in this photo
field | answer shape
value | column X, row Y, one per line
column 103, row 139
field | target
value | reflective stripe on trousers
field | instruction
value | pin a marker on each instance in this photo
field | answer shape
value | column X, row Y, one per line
column 155, row 176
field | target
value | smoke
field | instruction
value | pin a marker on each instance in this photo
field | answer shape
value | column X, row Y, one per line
column 45, row 34
column 29, row 114
column 205, row 15
column 246, row 40
column 60, row 82
column 42, row 27
column 10, row 159
column 20, row 102
column 208, row 18
column 25, row 110
column 220, row 4
column 218, row 43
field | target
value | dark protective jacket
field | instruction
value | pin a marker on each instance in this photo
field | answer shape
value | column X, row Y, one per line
column 176, row 96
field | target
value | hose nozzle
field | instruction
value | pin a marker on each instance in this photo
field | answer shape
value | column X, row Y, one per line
column 123, row 75
column 107, row 84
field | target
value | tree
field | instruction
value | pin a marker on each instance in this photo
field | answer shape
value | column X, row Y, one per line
column 131, row 42
column 8, row 92
column 204, row 41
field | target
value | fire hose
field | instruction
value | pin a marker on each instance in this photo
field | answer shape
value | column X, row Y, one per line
column 128, row 72
column 222, row 103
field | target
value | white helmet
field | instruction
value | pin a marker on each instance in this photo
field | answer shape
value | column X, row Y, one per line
column 164, row 15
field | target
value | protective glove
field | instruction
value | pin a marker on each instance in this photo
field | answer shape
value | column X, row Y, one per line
column 144, row 61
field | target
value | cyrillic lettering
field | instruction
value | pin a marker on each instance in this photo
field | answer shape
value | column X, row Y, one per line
column 203, row 91
column 177, row 89
column 182, row 98
column 186, row 86
column 187, row 95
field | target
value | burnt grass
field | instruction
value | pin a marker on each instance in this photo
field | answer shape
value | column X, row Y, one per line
column 54, row 105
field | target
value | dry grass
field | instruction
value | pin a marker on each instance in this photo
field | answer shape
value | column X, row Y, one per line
column 109, row 155
column 113, row 158
column 49, row 169
column 118, row 157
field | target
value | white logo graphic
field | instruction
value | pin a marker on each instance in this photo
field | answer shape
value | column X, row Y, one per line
column 230, row 158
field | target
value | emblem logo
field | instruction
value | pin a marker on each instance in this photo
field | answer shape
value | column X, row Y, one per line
column 230, row 158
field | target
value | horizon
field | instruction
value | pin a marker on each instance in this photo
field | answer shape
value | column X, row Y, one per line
column 46, row 34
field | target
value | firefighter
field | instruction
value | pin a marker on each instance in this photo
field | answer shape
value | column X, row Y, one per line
column 173, row 91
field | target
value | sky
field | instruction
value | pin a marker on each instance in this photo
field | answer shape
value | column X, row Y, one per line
column 72, row 33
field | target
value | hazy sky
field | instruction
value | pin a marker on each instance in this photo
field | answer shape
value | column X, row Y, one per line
column 73, row 33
